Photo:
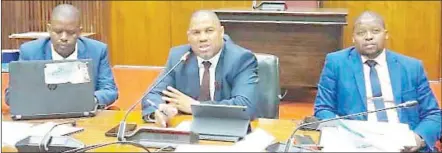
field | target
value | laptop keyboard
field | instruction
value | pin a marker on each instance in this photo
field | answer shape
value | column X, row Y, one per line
column 218, row 138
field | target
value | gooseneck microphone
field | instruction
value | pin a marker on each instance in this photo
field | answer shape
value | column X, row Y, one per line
column 290, row 141
column 84, row 149
column 122, row 127
column 43, row 146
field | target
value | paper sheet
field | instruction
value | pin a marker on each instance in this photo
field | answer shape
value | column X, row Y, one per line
column 73, row 72
column 12, row 132
column 185, row 126
column 42, row 129
column 362, row 136
column 256, row 141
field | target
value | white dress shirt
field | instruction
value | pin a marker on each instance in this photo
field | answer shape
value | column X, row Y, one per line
column 212, row 69
column 56, row 56
column 73, row 56
column 387, row 92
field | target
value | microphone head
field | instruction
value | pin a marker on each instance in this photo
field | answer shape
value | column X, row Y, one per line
column 185, row 56
column 408, row 104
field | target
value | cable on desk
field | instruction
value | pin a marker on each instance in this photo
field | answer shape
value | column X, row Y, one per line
column 165, row 147
column 95, row 146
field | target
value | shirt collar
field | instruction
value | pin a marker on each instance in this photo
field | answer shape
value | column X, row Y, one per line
column 213, row 60
column 381, row 59
column 56, row 56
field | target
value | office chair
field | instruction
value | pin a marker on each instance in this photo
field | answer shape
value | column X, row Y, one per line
column 268, row 85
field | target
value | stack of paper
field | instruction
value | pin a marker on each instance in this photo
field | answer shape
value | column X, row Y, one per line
column 12, row 132
column 362, row 136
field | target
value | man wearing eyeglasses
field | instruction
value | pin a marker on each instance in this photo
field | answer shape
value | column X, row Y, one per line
column 368, row 76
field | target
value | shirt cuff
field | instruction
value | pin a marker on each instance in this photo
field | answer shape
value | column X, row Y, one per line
column 149, row 118
column 99, row 106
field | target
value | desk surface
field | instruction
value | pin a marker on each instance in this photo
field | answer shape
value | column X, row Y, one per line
column 95, row 128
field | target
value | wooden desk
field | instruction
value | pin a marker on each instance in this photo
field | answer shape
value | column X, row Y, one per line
column 300, row 37
column 36, row 35
column 96, row 127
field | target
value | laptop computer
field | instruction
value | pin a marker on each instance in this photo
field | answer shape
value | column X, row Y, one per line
column 220, row 122
column 31, row 97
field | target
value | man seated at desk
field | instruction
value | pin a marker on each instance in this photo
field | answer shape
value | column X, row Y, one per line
column 216, row 71
column 367, row 70
column 65, row 43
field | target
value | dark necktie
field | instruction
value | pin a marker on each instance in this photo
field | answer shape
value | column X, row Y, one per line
column 376, row 90
column 205, row 84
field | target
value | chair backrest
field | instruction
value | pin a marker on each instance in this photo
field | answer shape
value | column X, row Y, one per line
column 132, row 82
column 268, row 85
column 5, row 84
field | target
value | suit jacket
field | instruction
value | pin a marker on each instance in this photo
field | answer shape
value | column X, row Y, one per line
column 105, row 90
column 236, row 77
column 341, row 91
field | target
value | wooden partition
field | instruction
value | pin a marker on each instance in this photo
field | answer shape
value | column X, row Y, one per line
column 26, row 16
column 301, row 38
column 142, row 32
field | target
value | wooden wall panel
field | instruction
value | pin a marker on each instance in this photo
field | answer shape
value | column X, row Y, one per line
column 26, row 16
column 140, row 32
column 182, row 10
column 414, row 28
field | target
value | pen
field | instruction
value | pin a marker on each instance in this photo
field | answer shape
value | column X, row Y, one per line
column 349, row 130
column 156, row 107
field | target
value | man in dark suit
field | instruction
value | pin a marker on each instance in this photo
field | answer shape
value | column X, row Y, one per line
column 65, row 43
column 353, row 77
column 216, row 71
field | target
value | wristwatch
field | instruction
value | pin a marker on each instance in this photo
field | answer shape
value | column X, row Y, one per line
column 99, row 106
column 150, row 118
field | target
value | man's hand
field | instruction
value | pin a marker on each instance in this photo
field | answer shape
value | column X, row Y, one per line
column 178, row 99
column 419, row 144
column 164, row 113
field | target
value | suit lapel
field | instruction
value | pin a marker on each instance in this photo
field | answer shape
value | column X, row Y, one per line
column 356, row 64
column 48, row 51
column 219, row 76
column 192, row 71
column 394, row 70
column 82, row 53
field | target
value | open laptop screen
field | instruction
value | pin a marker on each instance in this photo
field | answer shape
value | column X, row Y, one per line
column 35, row 92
